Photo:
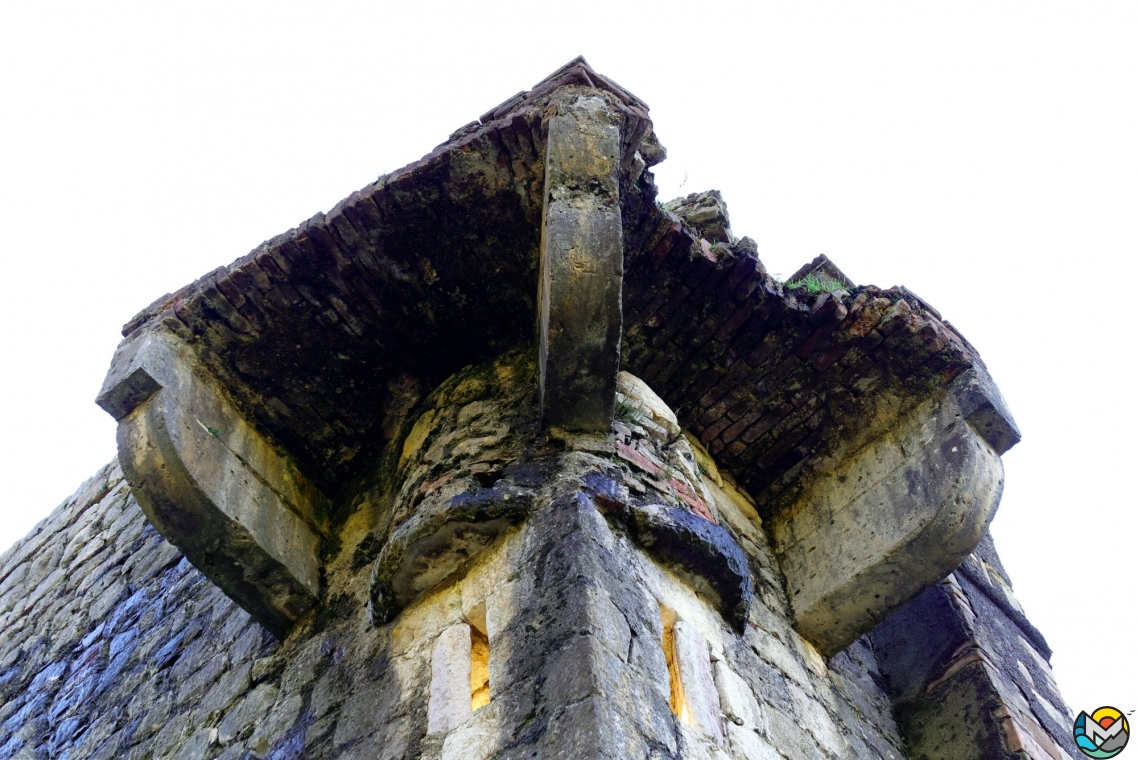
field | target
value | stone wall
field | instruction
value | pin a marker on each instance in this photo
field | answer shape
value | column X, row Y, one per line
column 418, row 539
column 114, row 646
column 969, row 674
column 592, row 634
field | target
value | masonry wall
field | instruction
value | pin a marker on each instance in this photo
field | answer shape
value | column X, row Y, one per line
column 969, row 674
column 113, row 646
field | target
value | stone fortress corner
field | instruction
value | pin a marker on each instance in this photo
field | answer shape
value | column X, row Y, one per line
column 502, row 457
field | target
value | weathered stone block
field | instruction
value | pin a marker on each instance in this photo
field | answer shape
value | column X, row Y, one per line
column 895, row 516
column 698, row 550
column 982, row 405
column 450, row 703
column 582, row 268
column 736, row 698
column 433, row 546
column 583, row 668
column 748, row 744
column 211, row 484
column 693, row 661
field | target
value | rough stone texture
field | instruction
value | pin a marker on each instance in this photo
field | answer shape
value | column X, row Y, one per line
column 450, row 494
column 112, row 645
column 784, row 384
column 327, row 334
column 777, row 381
column 887, row 522
column 969, row 673
column 156, row 662
column 387, row 350
column 582, row 265
column 706, row 213
column 826, row 273
column 450, row 702
column 701, row 698
column 162, row 664
column 211, row 484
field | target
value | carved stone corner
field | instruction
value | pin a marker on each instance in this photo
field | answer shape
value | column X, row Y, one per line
column 897, row 515
column 211, row 484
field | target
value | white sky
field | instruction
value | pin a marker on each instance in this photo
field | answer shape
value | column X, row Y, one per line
column 981, row 153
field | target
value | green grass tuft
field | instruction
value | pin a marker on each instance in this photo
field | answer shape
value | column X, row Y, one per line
column 814, row 284
column 627, row 412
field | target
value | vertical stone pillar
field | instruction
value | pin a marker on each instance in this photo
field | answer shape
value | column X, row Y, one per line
column 582, row 267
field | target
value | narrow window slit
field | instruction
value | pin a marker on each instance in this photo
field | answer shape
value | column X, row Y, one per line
column 676, row 686
column 479, row 657
column 479, row 669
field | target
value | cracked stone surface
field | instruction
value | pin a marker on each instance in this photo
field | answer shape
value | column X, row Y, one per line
column 380, row 378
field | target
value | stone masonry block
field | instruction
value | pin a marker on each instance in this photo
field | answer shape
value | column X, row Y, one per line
column 693, row 661
column 982, row 405
column 211, row 484
column 582, row 268
column 893, row 518
column 736, row 698
column 450, row 702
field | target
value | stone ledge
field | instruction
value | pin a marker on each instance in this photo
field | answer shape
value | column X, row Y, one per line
column 434, row 546
column 698, row 550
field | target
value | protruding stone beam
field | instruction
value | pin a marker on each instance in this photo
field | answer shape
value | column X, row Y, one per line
column 211, row 484
column 896, row 516
column 582, row 267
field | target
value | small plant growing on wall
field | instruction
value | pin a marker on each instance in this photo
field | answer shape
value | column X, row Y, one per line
column 814, row 284
column 626, row 412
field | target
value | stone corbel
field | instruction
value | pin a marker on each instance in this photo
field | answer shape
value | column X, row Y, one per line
column 210, row 483
column 703, row 553
column 582, row 267
column 896, row 516
column 437, row 545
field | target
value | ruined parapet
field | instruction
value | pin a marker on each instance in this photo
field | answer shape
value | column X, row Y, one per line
column 706, row 213
column 784, row 384
column 867, row 430
column 514, row 461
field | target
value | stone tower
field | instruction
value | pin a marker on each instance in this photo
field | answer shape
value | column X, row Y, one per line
column 504, row 458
